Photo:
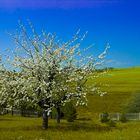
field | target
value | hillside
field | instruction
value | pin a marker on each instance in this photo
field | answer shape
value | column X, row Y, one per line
column 120, row 85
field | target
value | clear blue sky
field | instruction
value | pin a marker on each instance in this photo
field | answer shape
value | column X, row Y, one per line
column 107, row 21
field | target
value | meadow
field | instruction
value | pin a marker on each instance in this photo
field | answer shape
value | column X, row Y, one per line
column 120, row 85
column 21, row 128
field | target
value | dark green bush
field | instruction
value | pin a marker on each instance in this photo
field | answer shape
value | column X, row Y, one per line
column 54, row 112
column 123, row 118
column 133, row 105
column 70, row 112
column 111, row 123
column 104, row 117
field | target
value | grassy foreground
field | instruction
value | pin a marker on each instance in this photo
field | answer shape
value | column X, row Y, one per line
column 20, row 128
column 120, row 85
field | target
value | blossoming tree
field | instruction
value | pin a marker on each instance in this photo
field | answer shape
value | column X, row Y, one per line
column 49, row 73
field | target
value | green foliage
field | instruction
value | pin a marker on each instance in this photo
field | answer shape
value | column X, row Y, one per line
column 70, row 112
column 104, row 117
column 111, row 123
column 54, row 112
column 123, row 118
column 134, row 104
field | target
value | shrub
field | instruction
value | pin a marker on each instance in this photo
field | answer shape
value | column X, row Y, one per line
column 70, row 112
column 111, row 123
column 133, row 105
column 54, row 113
column 123, row 118
column 104, row 117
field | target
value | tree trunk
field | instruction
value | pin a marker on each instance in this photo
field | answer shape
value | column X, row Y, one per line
column 22, row 112
column 58, row 115
column 12, row 112
column 45, row 120
column 51, row 115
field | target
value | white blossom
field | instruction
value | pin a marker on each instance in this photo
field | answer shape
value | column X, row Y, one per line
column 48, row 70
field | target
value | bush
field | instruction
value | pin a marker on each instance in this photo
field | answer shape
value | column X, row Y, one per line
column 54, row 113
column 133, row 105
column 111, row 123
column 104, row 117
column 70, row 112
column 123, row 118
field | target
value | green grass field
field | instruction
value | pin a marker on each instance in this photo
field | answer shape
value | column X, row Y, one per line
column 120, row 85
column 21, row 128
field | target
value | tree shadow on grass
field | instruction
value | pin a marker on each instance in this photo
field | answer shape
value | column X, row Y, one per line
column 61, row 127
column 80, row 127
column 6, row 119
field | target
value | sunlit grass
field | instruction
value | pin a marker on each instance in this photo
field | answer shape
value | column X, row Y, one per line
column 122, row 84
column 20, row 128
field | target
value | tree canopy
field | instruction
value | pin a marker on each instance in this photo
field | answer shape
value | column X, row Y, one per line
column 47, row 72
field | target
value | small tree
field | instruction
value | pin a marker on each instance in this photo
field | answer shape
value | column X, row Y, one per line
column 51, row 72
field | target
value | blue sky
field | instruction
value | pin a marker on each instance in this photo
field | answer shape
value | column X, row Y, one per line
column 107, row 21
